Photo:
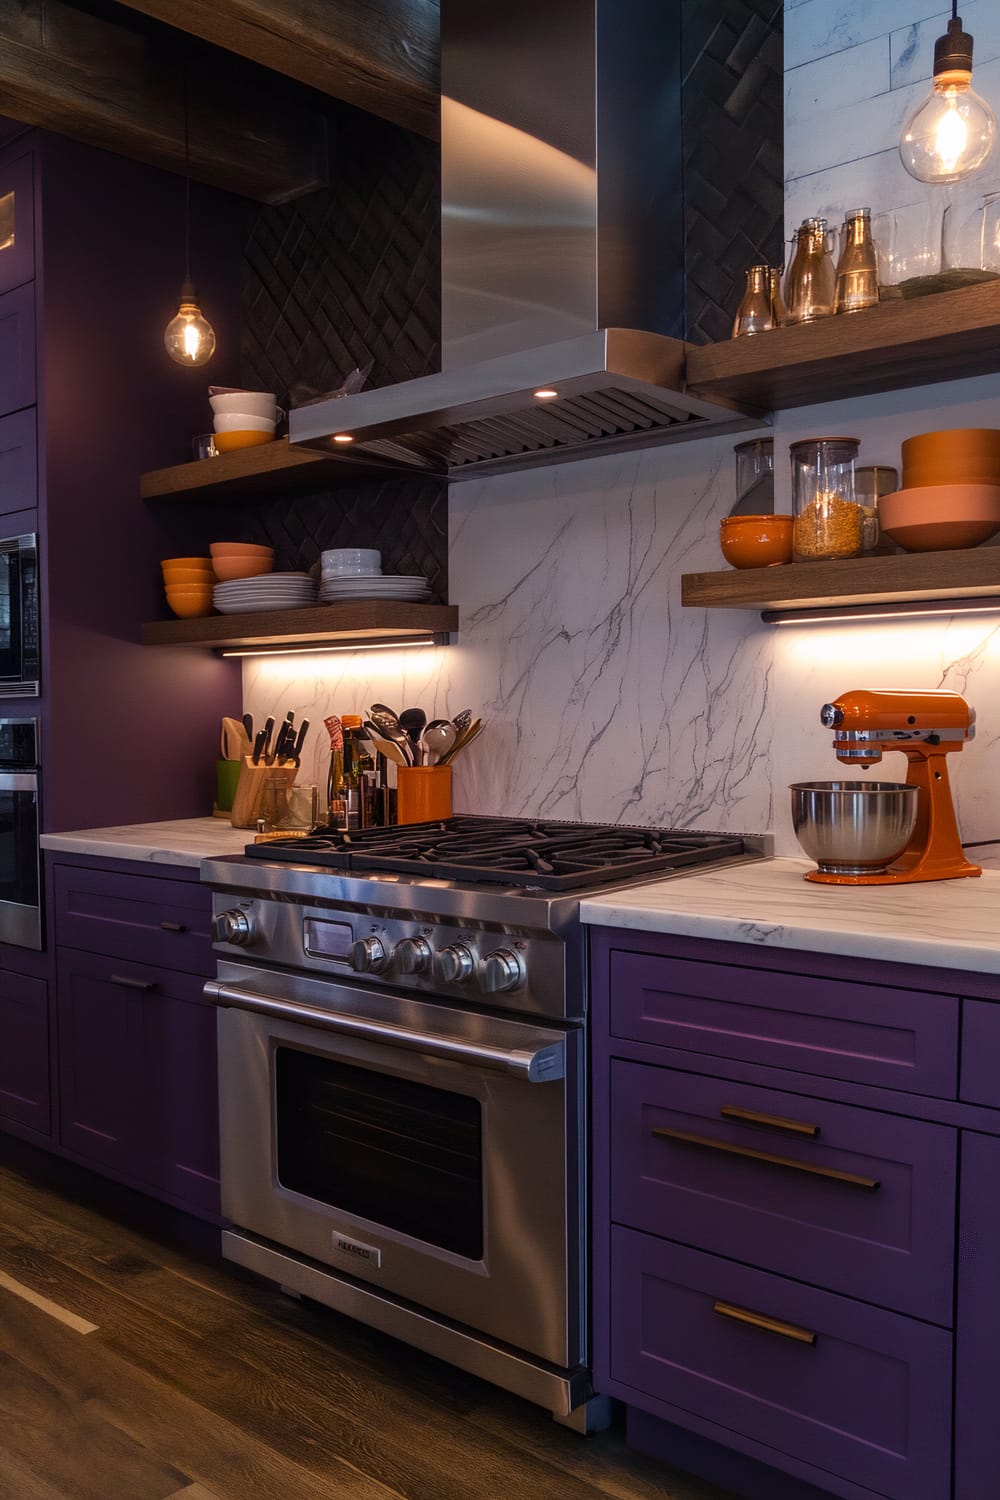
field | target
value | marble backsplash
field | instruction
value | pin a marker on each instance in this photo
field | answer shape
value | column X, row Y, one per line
column 606, row 699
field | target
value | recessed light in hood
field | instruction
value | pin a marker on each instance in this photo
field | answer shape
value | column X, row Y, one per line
column 562, row 249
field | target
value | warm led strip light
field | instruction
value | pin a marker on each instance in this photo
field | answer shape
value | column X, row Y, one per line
column 293, row 650
column 984, row 605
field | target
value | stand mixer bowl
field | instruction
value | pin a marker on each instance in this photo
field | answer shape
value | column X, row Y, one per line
column 853, row 827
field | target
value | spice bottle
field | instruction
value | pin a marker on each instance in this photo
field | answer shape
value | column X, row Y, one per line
column 828, row 519
column 754, row 313
column 857, row 268
column 811, row 283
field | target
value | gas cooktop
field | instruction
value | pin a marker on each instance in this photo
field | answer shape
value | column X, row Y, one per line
column 544, row 855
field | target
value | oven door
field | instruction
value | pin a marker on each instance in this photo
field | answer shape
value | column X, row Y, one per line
column 429, row 1151
column 19, row 617
column 20, row 900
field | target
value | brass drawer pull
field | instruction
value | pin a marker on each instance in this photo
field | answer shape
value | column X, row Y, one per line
column 793, row 1164
column 774, row 1122
column 173, row 927
column 769, row 1325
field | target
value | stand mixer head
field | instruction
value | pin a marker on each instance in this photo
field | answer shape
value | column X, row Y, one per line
column 925, row 726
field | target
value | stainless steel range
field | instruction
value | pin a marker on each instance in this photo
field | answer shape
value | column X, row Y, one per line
column 403, row 1077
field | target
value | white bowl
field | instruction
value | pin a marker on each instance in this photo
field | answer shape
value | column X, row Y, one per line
column 338, row 561
column 240, row 421
column 256, row 403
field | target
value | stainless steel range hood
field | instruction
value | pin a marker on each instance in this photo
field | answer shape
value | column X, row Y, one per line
column 562, row 249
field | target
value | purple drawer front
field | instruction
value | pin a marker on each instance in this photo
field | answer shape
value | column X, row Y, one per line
column 24, row 1051
column 18, row 463
column 980, row 1053
column 17, row 349
column 892, row 1244
column 868, row 1400
column 150, row 920
column 865, row 1033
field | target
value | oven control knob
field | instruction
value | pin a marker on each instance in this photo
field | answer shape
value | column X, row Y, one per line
column 501, row 970
column 455, row 963
column 233, row 927
column 368, row 956
column 414, row 955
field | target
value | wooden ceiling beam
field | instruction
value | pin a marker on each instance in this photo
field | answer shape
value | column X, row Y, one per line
column 381, row 55
column 81, row 75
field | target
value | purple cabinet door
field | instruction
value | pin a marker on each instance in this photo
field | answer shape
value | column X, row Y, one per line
column 980, row 1083
column 137, row 1072
column 845, row 1198
column 146, row 918
column 977, row 1329
column 848, row 1388
column 18, row 463
column 17, row 223
column 24, row 1051
column 17, row 349
column 897, row 1039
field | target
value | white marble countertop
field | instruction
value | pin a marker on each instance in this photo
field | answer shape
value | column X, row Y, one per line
column 185, row 842
column 947, row 924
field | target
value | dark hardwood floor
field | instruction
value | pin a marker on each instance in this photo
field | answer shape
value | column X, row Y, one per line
column 201, row 1383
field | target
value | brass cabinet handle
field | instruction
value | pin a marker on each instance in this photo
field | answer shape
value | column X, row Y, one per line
column 769, row 1325
column 774, row 1122
column 791, row 1162
column 173, row 927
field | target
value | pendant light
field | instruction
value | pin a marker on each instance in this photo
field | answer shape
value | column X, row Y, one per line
column 189, row 338
column 950, row 135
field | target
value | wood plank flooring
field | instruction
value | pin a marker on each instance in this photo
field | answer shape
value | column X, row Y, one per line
column 201, row 1383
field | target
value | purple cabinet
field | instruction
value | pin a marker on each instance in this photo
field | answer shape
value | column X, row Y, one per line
column 977, row 1363
column 148, row 918
column 17, row 223
column 24, row 1052
column 17, row 349
column 137, row 1076
column 843, row 1198
column 891, row 1038
column 981, row 1053
column 18, row 463
column 848, row 1388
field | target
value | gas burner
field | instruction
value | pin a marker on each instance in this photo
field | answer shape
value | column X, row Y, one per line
column 538, row 853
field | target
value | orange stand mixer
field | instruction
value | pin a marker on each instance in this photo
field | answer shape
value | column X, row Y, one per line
column 925, row 725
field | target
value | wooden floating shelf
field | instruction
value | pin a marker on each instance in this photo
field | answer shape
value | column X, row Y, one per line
column 899, row 578
column 345, row 624
column 269, row 469
column 897, row 344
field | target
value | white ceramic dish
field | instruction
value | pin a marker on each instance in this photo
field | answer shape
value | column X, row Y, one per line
column 254, row 403
column 241, row 421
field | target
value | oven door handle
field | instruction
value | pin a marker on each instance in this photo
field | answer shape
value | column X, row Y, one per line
column 536, row 1065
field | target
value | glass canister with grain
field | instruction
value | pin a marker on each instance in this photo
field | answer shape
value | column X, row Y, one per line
column 828, row 519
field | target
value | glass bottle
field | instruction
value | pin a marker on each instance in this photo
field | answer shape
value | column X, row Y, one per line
column 779, row 312
column 811, row 283
column 829, row 522
column 857, row 268
column 754, row 313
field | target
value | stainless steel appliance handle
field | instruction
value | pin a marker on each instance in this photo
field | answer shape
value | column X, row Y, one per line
column 541, row 1065
column 18, row 781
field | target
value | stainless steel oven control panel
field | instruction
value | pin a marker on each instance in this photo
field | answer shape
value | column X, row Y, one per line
column 499, row 964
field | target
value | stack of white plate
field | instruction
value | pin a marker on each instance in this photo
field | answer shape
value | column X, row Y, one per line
column 268, row 591
column 410, row 587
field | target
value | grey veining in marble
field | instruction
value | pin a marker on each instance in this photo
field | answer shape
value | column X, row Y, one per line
column 187, row 841
column 950, row 924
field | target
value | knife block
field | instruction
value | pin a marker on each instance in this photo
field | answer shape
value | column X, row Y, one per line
column 257, row 789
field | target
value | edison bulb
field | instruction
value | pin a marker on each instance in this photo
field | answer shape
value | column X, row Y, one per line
column 189, row 338
column 950, row 135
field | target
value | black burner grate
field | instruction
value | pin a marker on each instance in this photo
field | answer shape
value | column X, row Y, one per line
column 545, row 855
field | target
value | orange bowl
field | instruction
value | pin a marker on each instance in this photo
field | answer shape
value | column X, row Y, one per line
column 201, row 576
column 239, row 549
column 189, row 605
column 205, row 563
column 756, row 541
column 227, row 568
column 940, row 517
column 959, row 455
column 228, row 442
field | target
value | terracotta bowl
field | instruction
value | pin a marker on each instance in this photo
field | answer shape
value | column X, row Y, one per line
column 190, row 603
column 756, row 541
column 205, row 563
column 173, row 576
column 959, row 455
column 248, row 566
column 229, row 442
column 940, row 517
column 239, row 549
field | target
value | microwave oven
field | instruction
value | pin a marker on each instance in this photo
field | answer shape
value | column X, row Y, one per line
column 19, row 656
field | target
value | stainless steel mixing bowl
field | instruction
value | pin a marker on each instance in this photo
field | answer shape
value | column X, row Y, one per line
column 853, row 827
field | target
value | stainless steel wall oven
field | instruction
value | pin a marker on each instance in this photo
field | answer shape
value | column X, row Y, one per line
column 20, row 883
column 19, row 649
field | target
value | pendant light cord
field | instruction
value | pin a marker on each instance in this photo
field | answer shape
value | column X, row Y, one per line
column 187, row 181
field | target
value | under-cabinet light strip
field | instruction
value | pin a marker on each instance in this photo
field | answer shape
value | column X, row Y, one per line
column 900, row 611
column 293, row 650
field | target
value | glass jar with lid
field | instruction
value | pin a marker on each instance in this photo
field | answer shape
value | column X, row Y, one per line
column 754, row 478
column 829, row 522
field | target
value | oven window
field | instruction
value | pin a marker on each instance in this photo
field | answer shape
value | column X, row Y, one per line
column 402, row 1154
column 18, row 848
